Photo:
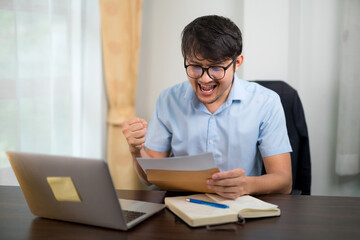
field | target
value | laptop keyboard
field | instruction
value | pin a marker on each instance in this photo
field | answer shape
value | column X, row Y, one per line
column 131, row 215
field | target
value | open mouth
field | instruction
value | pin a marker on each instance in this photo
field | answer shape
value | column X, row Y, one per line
column 207, row 88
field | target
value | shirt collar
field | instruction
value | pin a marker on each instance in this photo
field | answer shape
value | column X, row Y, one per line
column 189, row 93
column 191, row 96
column 237, row 91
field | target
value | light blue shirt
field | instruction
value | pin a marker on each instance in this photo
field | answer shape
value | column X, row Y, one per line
column 248, row 126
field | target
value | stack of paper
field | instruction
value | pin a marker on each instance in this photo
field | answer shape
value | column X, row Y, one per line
column 180, row 173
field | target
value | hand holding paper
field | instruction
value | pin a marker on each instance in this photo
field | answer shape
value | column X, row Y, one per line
column 229, row 184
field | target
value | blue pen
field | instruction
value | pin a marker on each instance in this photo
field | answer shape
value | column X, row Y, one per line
column 212, row 204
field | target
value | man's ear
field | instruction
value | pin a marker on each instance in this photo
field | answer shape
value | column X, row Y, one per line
column 239, row 61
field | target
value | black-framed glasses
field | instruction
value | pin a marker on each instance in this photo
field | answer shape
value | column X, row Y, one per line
column 214, row 72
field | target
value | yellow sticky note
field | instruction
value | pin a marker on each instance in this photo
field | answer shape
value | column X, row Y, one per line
column 64, row 189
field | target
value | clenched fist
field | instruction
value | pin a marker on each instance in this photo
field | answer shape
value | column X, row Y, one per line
column 134, row 131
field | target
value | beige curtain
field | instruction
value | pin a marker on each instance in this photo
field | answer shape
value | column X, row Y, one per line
column 120, row 29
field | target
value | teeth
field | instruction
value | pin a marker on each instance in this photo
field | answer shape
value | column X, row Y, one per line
column 207, row 88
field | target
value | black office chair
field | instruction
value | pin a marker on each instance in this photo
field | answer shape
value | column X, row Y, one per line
column 298, row 135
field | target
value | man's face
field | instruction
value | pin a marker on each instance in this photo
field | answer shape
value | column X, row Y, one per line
column 213, row 93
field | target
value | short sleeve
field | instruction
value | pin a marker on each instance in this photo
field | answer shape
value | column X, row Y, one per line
column 273, row 137
column 158, row 136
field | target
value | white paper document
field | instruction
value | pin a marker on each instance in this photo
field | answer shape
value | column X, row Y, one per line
column 199, row 162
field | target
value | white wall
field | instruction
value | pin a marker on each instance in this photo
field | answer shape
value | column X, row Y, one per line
column 266, row 39
column 296, row 41
column 318, row 76
column 314, row 69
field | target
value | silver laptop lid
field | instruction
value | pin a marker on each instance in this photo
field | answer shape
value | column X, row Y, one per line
column 68, row 188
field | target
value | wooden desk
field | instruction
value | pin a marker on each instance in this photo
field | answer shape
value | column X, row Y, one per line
column 302, row 217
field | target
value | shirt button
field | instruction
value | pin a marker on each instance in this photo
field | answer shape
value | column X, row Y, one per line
column 211, row 142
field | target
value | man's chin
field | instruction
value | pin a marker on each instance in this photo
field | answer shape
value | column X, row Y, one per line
column 207, row 101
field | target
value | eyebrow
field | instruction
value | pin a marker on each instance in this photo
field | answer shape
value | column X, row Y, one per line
column 194, row 62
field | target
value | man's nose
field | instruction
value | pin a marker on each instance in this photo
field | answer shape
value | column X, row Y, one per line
column 205, row 78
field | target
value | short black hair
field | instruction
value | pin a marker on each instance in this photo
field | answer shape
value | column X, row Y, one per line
column 213, row 38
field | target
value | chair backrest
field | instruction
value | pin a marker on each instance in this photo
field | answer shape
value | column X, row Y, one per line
column 298, row 135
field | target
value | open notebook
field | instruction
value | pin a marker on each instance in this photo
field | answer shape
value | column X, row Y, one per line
column 196, row 215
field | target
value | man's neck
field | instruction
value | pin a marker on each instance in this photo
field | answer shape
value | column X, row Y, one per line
column 213, row 107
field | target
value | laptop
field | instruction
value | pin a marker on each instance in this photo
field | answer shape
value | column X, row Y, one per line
column 76, row 190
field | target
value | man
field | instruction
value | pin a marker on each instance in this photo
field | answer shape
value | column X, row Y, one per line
column 241, row 123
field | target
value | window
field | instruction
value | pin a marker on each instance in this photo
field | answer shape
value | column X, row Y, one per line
column 51, row 96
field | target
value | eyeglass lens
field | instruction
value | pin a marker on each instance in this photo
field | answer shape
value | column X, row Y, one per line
column 213, row 72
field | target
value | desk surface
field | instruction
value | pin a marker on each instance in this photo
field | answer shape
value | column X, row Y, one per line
column 302, row 217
